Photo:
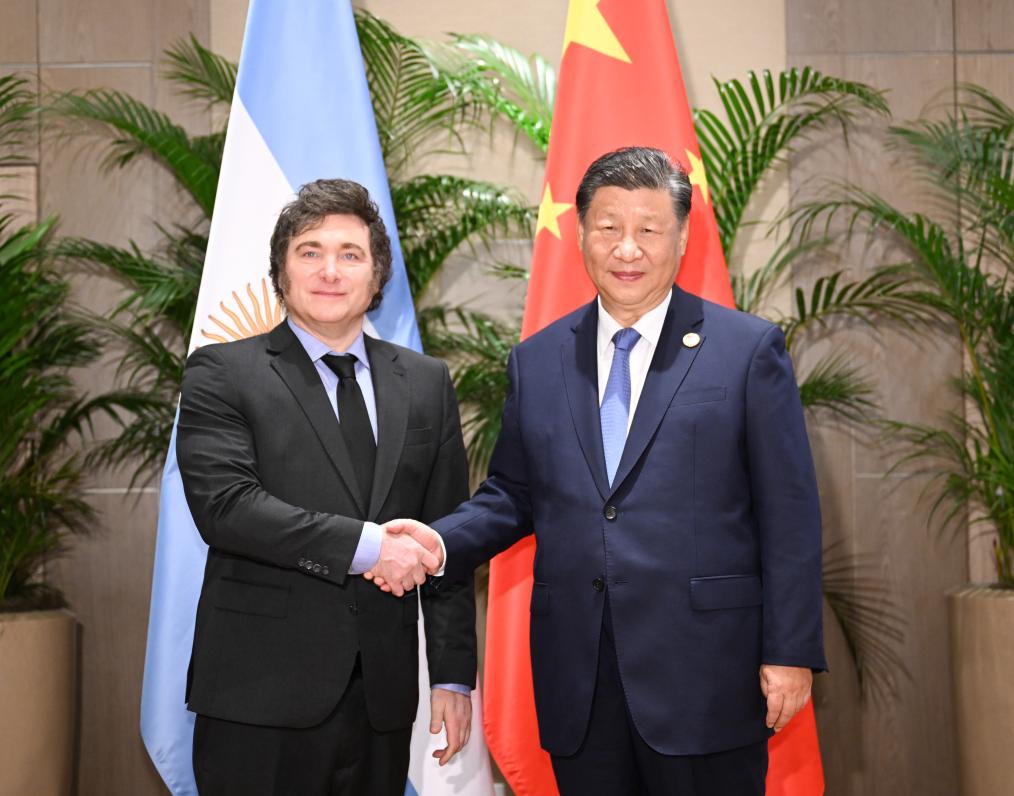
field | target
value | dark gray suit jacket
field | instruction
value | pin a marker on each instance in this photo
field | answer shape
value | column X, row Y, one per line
column 271, row 487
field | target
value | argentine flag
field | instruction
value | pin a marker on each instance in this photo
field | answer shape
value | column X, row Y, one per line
column 301, row 112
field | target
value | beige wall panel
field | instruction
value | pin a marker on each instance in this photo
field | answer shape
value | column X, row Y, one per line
column 917, row 86
column 815, row 26
column 18, row 32
column 19, row 183
column 912, row 372
column 724, row 39
column 897, row 26
column 92, row 31
column 984, row 24
column 994, row 71
column 111, row 206
column 529, row 25
column 227, row 20
column 839, row 728
column 868, row 26
column 107, row 581
column 909, row 745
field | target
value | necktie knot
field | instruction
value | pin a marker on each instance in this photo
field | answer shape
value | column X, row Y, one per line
column 625, row 339
column 343, row 365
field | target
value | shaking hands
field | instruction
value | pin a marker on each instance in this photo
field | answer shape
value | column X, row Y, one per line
column 409, row 551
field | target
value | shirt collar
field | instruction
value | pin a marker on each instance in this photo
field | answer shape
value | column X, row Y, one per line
column 316, row 348
column 649, row 325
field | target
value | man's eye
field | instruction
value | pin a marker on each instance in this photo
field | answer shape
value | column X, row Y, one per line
column 310, row 253
column 350, row 256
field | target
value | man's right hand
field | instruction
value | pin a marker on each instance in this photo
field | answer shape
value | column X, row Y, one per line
column 404, row 561
column 412, row 535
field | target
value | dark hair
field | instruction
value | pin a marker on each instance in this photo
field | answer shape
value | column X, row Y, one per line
column 636, row 167
column 315, row 201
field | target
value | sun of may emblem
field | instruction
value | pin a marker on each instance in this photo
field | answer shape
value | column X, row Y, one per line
column 247, row 317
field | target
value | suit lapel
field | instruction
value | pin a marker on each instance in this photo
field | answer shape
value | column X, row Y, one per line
column 668, row 368
column 301, row 377
column 390, row 386
column 580, row 374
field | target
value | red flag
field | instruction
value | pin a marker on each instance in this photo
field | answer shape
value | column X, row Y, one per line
column 619, row 85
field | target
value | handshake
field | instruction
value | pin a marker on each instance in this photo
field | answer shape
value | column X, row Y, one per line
column 409, row 551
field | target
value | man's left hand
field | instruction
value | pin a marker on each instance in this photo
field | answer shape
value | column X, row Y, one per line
column 454, row 712
column 787, row 690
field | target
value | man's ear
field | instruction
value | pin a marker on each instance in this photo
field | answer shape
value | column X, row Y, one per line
column 580, row 235
column 684, row 237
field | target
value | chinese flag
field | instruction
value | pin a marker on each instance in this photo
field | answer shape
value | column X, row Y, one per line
column 619, row 85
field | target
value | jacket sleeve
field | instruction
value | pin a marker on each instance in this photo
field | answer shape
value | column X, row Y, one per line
column 499, row 513
column 215, row 446
column 449, row 611
column 786, row 503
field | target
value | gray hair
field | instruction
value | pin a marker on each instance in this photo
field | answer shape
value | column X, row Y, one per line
column 636, row 167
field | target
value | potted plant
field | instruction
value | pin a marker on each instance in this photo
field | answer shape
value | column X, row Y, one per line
column 41, row 500
column 963, row 260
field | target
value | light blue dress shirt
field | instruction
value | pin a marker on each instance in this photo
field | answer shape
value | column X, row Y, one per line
column 368, row 550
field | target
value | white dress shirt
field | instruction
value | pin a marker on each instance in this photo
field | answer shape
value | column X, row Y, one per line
column 649, row 326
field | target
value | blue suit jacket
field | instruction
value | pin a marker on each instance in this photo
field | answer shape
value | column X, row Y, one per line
column 707, row 543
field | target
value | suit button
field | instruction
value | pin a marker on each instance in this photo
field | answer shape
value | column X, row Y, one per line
column 598, row 584
column 353, row 608
column 610, row 512
column 302, row 561
column 308, row 565
column 316, row 569
column 325, row 571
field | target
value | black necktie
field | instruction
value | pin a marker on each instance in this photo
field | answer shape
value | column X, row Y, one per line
column 354, row 421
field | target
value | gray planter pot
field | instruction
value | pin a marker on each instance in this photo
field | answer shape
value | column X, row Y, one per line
column 38, row 704
column 982, row 671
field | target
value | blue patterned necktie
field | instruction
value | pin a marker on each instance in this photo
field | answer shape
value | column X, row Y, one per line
column 615, row 407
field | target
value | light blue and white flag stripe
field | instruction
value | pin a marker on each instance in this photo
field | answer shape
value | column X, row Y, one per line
column 301, row 111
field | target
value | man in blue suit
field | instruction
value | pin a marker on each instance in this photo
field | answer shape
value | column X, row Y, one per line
column 655, row 444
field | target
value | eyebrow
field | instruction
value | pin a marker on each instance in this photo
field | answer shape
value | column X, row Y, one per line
column 318, row 245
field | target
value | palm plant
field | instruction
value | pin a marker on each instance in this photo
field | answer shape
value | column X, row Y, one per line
column 41, row 412
column 418, row 109
column 962, row 262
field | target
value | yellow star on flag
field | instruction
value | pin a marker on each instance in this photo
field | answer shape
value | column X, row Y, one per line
column 549, row 213
column 697, row 176
column 587, row 26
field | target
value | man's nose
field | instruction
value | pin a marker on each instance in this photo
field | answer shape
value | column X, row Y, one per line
column 330, row 270
column 627, row 249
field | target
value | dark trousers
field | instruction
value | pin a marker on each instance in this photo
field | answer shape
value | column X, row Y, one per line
column 343, row 756
column 615, row 761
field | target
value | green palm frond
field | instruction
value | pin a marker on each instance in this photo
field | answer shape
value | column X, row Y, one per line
column 438, row 213
column 838, row 387
column 885, row 294
column 138, row 129
column 870, row 618
column 764, row 119
column 155, row 286
column 752, row 291
column 41, row 478
column 477, row 347
column 519, row 88
column 17, row 106
column 199, row 73
column 417, row 110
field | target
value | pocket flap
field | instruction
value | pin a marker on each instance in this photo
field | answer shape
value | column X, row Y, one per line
column 725, row 591
column 699, row 396
column 540, row 599
column 252, row 598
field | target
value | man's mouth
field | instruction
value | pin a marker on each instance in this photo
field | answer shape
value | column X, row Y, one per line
column 628, row 276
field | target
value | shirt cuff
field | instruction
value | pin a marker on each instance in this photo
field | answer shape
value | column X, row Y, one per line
column 457, row 688
column 368, row 550
column 443, row 557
